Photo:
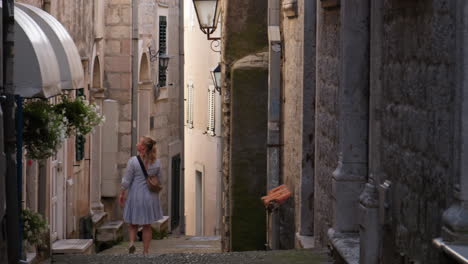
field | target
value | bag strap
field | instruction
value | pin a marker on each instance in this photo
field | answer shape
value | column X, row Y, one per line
column 142, row 166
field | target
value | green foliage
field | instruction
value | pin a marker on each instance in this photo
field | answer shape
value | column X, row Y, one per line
column 34, row 227
column 159, row 235
column 46, row 126
column 44, row 129
column 81, row 115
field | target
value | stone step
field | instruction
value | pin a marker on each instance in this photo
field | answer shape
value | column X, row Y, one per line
column 99, row 219
column 110, row 231
column 162, row 225
column 306, row 242
column 73, row 246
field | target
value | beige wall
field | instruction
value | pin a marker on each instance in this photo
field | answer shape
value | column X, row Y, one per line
column 202, row 151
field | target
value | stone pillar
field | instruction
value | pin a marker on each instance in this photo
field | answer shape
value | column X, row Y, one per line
column 349, row 177
column 369, row 227
column 96, row 161
column 306, row 227
column 455, row 218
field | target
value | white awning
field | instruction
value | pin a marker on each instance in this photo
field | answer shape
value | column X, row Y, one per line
column 46, row 59
column 71, row 70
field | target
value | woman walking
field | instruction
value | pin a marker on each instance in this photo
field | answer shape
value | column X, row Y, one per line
column 142, row 206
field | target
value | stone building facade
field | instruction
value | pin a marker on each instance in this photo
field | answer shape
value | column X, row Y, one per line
column 76, row 190
column 372, row 104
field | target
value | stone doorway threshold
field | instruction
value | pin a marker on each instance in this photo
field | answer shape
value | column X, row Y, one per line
column 73, row 246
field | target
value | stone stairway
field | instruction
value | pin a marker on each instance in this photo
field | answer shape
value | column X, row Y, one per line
column 108, row 234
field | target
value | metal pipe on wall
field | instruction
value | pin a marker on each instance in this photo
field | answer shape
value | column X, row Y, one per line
column 134, row 75
column 274, row 116
column 8, row 107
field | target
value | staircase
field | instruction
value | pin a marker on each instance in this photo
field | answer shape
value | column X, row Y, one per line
column 107, row 233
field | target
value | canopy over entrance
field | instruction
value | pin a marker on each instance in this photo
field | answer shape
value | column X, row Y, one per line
column 46, row 58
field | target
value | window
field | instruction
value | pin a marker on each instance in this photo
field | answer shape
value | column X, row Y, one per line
column 211, row 111
column 190, row 105
column 80, row 140
column 162, row 47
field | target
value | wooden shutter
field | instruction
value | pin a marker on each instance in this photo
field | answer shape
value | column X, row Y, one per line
column 162, row 47
column 80, row 140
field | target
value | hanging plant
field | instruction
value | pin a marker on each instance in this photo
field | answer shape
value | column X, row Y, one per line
column 44, row 129
column 81, row 115
column 34, row 226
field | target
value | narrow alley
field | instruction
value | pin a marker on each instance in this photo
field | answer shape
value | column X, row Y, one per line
column 234, row 131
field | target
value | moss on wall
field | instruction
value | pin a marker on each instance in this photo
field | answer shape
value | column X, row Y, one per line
column 246, row 29
column 248, row 158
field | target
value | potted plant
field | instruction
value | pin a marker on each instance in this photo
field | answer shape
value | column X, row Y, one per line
column 34, row 227
column 81, row 115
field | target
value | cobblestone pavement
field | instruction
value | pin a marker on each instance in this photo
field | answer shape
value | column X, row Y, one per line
column 173, row 244
column 254, row 257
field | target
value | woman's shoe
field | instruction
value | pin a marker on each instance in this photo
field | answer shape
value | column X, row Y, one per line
column 131, row 249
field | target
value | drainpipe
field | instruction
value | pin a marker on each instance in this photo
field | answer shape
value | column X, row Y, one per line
column 134, row 75
column 181, row 113
column 8, row 107
column 274, row 116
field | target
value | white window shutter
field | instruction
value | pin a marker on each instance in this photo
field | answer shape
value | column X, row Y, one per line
column 190, row 105
column 211, row 111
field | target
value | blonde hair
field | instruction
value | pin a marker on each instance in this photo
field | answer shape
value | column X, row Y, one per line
column 150, row 145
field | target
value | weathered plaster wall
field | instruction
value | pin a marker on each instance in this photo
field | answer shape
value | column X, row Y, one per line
column 292, row 104
column 418, row 71
column 248, row 157
column 244, row 33
column 298, row 36
column 326, row 133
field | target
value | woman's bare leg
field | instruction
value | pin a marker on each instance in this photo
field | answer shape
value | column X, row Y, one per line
column 147, row 236
column 132, row 231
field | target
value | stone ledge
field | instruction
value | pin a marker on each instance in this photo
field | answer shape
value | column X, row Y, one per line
column 457, row 251
column 73, row 246
column 345, row 245
column 98, row 218
column 162, row 224
column 306, row 242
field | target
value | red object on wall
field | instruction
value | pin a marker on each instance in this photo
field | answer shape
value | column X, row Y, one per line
column 276, row 196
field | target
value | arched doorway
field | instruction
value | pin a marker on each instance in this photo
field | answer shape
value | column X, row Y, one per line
column 144, row 96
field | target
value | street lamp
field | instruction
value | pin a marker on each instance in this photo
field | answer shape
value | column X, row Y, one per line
column 216, row 76
column 163, row 58
column 208, row 12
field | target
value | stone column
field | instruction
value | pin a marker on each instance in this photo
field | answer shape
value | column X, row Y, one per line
column 369, row 227
column 349, row 177
column 96, row 161
column 455, row 218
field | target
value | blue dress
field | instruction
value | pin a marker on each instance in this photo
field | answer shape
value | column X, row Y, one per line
column 142, row 206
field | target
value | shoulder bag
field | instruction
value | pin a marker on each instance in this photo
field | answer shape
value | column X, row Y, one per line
column 151, row 180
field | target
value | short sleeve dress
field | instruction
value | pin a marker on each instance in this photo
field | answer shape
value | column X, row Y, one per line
column 142, row 206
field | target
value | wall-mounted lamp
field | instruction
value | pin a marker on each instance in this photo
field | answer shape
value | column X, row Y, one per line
column 216, row 76
column 208, row 12
column 163, row 58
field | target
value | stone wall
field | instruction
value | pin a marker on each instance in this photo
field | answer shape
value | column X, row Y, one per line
column 292, row 115
column 326, row 133
column 418, row 84
column 244, row 32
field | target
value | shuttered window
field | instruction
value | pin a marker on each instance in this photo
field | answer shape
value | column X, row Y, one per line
column 80, row 140
column 162, row 47
column 190, row 105
column 211, row 111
